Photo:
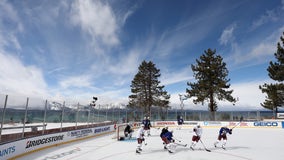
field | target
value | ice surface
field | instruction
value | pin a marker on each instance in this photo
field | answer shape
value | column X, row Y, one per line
column 243, row 144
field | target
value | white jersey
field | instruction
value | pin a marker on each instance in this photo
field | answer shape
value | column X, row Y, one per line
column 197, row 131
column 140, row 133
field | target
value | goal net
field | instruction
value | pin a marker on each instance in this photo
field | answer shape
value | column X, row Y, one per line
column 119, row 133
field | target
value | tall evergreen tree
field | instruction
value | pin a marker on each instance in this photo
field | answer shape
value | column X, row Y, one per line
column 275, row 92
column 211, row 74
column 146, row 89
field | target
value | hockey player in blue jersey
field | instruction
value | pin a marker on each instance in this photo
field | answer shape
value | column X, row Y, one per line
column 180, row 121
column 164, row 130
column 223, row 135
column 147, row 124
column 167, row 137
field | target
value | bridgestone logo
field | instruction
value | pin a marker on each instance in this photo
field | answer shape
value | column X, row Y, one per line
column 44, row 141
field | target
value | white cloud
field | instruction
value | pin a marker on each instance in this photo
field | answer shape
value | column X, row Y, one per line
column 96, row 19
column 8, row 34
column 269, row 16
column 249, row 94
column 77, row 81
column 227, row 35
column 126, row 64
column 255, row 52
column 16, row 78
column 183, row 75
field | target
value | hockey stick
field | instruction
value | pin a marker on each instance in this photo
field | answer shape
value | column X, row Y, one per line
column 184, row 145
column 205, row 146
column 176, row 139
column 237, row 124
column 145, row 142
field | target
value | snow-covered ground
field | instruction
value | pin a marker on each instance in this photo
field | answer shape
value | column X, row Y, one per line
column 243, row 144
column 48, row 126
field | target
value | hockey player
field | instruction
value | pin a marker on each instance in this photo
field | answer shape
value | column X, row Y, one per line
column 180, row 122
column 140, row 138
column 144, row 121
column 128, row 131
column 169, row 141
column 197, row 132
column 147, row 126
column 223, row 135
column 164, row 130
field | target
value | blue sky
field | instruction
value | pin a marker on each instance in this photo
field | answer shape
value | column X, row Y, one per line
column 74, row 50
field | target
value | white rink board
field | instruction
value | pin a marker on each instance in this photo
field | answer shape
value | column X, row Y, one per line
column 23, row 146
column 243, row 144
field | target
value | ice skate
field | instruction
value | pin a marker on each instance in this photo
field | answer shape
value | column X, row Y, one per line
column 170, row 151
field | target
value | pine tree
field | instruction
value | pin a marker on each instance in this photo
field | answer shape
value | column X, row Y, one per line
column 211, row 74
column 275, row 92
column 146, row 89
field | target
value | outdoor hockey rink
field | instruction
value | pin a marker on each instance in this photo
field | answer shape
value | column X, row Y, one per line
column 243, row 144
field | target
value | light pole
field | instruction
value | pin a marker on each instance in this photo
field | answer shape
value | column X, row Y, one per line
column 92, row 105
column 182, row 98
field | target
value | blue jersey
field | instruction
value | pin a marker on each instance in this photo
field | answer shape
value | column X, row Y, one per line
column 180, row 121
column 169, row 135
column 164, row 130
column 225, row 130
column 144, row 122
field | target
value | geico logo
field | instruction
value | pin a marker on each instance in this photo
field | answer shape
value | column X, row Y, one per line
column 265, row 124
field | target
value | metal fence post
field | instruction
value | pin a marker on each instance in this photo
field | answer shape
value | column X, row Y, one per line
column 25, row 118
column 3, row 115
column 62, row 116
column 77, row 114
column 44, row 117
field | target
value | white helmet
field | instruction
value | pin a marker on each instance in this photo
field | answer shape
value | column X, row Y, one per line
column 142, row 126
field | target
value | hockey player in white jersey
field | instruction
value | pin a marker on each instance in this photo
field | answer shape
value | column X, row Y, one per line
column 197, row 132
column 140, row 138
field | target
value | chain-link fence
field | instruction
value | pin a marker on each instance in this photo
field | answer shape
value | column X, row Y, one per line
column 25, row 116
column 15, row 109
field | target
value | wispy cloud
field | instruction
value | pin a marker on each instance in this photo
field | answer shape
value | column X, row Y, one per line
column 8, row 34
column 78, row 81
column 227, row 35
column 96, row 19
column 253, row 52
column 269, row 16
column 249, row 93
column 273, row 15
column 183, row 75
column 17, row 78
